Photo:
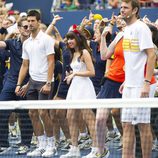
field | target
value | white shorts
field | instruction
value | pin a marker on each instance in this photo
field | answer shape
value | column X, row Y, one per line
column 134, row 115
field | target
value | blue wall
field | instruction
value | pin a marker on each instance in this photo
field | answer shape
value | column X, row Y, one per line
column 76, row 17
column 43, row 5
column 72, row 17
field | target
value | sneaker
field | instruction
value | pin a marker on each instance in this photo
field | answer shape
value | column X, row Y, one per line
column 62, row 140
column 117, row 140
column 74, row 152
column 50, row 151
column 112, row 135
column 119, row 148
column 92, row 154
column 87, row 144
column 155, row 147
column 22, row 150
column 36, row 152
column 4, row 150
column 65, row 146
column 17, row 145
column 13, row 133
column 34, row 142
column 83, row 139
column 105, row 154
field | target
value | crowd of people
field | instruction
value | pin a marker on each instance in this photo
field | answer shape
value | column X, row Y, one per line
column 91, row 57
column 70, row 5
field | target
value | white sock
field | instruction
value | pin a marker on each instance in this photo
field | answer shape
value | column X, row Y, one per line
column 83, row 134
column 42, row 141
column 50, row 141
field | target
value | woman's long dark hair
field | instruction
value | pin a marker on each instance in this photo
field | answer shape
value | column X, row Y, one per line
column 81, row 43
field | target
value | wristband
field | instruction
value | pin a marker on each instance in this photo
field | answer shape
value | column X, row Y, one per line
column 147, row 81
column 18, row 85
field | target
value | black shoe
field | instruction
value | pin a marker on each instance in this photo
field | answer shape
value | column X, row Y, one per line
column 4, row 150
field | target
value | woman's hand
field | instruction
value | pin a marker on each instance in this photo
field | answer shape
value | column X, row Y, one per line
column 69, row 78
column 121, row 88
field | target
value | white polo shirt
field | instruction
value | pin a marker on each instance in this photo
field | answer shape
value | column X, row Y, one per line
column 36, row 51
column 137, row 38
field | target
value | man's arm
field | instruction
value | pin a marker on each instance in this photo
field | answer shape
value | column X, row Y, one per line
column 51, row 64
column 47, row 87
column 151, row 58
column 22, row 74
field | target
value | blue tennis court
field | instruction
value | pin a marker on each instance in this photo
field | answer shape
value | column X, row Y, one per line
column 114, row 153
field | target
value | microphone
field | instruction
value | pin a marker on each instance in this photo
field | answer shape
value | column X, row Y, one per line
column 128, row 16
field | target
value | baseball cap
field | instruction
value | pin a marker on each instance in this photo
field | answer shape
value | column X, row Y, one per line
column 12, row 19
column 23, row 14
column 89, row 30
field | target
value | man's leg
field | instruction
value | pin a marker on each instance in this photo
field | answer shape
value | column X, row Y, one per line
column 36, row 121
column 128, row 140
column 138, row 149
column 101, row 125
column 146, row 139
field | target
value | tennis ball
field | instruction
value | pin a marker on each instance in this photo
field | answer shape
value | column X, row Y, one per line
column 97, row 17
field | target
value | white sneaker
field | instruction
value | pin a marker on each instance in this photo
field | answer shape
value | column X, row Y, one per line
column 86, row 144
column 50, row 151
column 105, row 154
column 74, row 152
column 36, row 152
column 92, row 154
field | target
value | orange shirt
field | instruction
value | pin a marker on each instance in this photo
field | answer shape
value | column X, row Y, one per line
column 116, row 71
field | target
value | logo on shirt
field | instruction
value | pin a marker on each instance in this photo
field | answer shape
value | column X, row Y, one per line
column 131, row 45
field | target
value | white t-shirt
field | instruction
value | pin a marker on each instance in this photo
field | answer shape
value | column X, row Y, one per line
column 137, row 37
column 36, row 51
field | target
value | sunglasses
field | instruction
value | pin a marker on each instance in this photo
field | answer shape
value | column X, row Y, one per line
column 25, row 27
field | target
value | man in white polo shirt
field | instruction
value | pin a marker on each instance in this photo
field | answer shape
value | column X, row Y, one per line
column 139, row 66
column 38, row 58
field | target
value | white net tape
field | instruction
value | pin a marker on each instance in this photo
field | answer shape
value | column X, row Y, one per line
column 81, row 104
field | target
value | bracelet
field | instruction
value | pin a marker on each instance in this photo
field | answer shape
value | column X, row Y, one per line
column 18, row 85
column 147, row 81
